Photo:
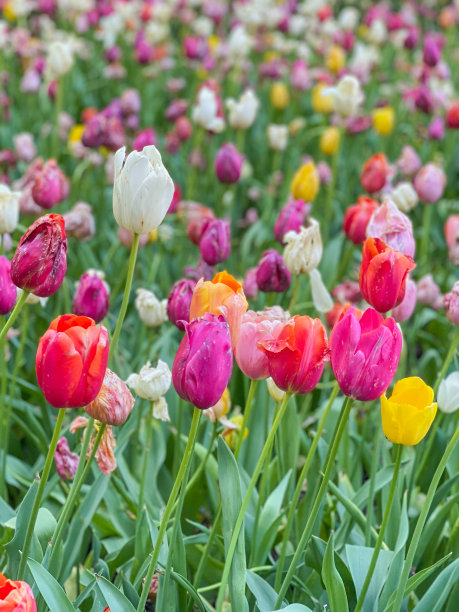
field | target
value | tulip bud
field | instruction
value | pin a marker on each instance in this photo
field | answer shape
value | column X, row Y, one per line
column 66, row 461
column 383, row 120
column 272, row 273
column 143, row 190
column 51, row 185
column 9, row 209
column 428, row 292
column 436, row 129
column 79, row 222
column 228, row 164
column 305, row 184
column 451, row 302
column 452, row 238
column 152, row 312
column 356, row 219
column 408, row 163
column 383, row 274
column 204, row 355
column 303, row 250
column 24, row 146
column 40, row 261
column 329, row 141
column 114, row 402
column 405, row 197
column 321, row 99
column 250, row 286
column 393, row 227
column 91, row 297
column 374, row 173
column 279, row 95
column 430, row 183
column 215, row 242
column 8, row 291
column 347, row 291
column 431, row 53
column 179, row 300
column 448, row 393
column 71, row 361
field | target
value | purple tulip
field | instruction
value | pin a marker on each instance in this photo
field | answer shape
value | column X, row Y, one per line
column 215, row 242
column 179, row 300
column 228, row 164
column 91, row 297
column 272, row 273
column 8, row 291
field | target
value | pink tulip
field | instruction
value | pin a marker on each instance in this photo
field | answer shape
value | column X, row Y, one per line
column 393, row 227
column 452, row 238
column 451, row 302
column 430, row 183
column 8, row 291
column 405, row 309
column 228, row 164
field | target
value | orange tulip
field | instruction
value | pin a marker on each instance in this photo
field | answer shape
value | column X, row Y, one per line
column 16, row 595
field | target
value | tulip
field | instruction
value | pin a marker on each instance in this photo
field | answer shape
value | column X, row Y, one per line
column 292, row 216
column 215, row 242
column 183, row 129
column 203, row 355
column 347, row 291
column 383, row 120
column 365, row 352
column 297, row 354
column 207, row 112
column 335, row 58
column 304, row 249
column 321, row 100
column 300, row 77
column 277, row 136
column 430, row 183
column 305, row 184
column 408, row 163
column 143, row 190
column 66, row 461
column 79, row 222
column 250, row 285
column 272, row 273
column 329, row 141
column 405, row 309
column 71, row 361
column 114, row 402
column 9, row 209
column 242, row 113
column 59, row 59
column 196, row 216
column 374, row 173
column 408, row 414
column 228, row 164
column 452, row 115
column 432, row 52
column 404, row 196
column 428, row 292
column 279, row 96
column 24, row 146
column 40, row 261
column 179, row 301
column 452, row 238
column 346, row 96
column 8, row 291
column 16, row 595
column 383, row 274
column 448, row 393
column 223, row 295
column 436, row 129
column 451, row 303
column 91, row 297
column 144, row 139
column 152, row 311
column 393, row 227
column 257, row 326
column 51, row 186
column 151, row 383
column 356, row 219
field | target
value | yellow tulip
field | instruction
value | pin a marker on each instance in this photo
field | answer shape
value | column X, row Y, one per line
column 329, row 141
column 233, row 431
column 408, row 414
column 335, row 59
column 305, row 184
column 296, row 125
column 8, row 11
column 76, row 133
column 383, row 120
column 279, row 95
column 321, row 103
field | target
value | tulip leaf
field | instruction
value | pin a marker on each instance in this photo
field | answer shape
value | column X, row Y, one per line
column 437, row 593
column 52, row 592
column 231, row 496
column 359, row 558
column 22, row 520
column 333, row 581
column 116, row 600
column 263, row 592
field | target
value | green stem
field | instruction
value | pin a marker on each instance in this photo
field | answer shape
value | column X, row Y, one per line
column 245, row 502
column 302, row 477
column 296, row 286
column 426, row 234
column 168, row 510
column 149, row 432
column 379, row 541
column 371, row 492
column 345, row 410
column 39, row 495
column 3, row 416
column 78, row 481
column 127, row 291
column 421, row 522
column 178, row 436
column 14, row 313
column 245, row 418
column 447, row 361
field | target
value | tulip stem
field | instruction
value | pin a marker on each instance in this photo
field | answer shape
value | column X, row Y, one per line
column 371, row 492
column 245, row 502
column 148, row 435
column 39, row 495
column 299, row 485
column 3, row 418
column 426, row 233
column 420, row 524
column 80, row 477
column 187, row 455
column 14, row 313
column 245, row 418
column 447, row 361
column 379, row 541
column 127, row 291
column 345, row 410
column 296, row 286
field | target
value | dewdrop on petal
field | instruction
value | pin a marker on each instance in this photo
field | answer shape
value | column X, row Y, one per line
column 152, row 312
column 274, row 391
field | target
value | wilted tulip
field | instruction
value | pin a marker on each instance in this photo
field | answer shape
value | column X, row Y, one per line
column 203, row 355
column 91, row 297
column 304, row 249
column 179, row 301
column 356, row 219
column 430, row 183
column 272, row 273
column 66, row 461
column 143, row 190
column 8, row 291
column 71, row 361
column 152, row 311
column 114, row 402
column 40, row 261
column 215, row 242
column 151, row 383
column 393, row 227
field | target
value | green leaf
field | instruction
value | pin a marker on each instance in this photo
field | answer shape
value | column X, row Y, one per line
column 359, row 558
column 332, row 580
column 230, row 491
column 263, row 592
column 22, row 520
column 116, row 600
column 51, row 590
column 186, row 584
column 437, row 593
column 296, row 607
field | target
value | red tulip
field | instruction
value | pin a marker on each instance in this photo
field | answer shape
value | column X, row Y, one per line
column 71, row 361
column 356, row 219
column 297, row 353
column 374, row 173
column 383, row 274
column 16, row 595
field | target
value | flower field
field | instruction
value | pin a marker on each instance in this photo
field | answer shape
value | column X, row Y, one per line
column 229, row 306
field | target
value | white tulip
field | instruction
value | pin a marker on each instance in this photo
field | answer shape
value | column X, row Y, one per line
column 151, row 383
column 448, row 393
column 304, row 249
column 405, row 196
column 277, row 136
column 152, row 312
column 9, row 209
column 242, row 112
column 59, row 59
column 346, row 96
column 205, row 111
column 142, row 190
